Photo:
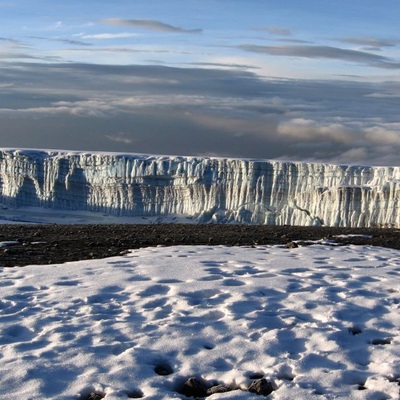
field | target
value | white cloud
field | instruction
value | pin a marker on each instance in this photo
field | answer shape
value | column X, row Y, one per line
column 353, row 155
column 386, row 134
column 106, row 36
column 386, row 94
column 305, row 129
column 120, row 137
column 90, row 107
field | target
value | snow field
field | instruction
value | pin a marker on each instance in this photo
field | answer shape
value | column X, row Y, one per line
column 319, row 321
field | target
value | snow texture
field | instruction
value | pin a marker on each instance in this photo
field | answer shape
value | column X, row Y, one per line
column 318, row 322
column 204, row 189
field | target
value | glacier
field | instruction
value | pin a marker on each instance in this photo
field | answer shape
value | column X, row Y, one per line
column 206, row 189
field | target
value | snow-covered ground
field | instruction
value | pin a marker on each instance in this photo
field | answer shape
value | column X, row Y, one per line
column 320, row 322
column 37, row 215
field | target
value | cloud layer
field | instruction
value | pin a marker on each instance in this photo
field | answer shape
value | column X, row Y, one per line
column 156, row 109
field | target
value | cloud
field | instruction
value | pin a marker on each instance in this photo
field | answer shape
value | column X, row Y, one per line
column 223, row 65
column 9, row 40
column 324, row 52
column 195, row 111
column 291, row 40
column 235, row 126
column 386, row 94
column 15, row 55
column 102, row 36
column 120, row 137
column 371, row 42
column 73, row 42
column 87, row 108
column 63, row 40
column 149, row 24
column 275, row 30
column 305, row 129
column 356, row 155
column 346, row 143
column 8, row 43
column 384, row 134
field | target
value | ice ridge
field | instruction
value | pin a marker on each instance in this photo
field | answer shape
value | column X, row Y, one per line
column 218, row 190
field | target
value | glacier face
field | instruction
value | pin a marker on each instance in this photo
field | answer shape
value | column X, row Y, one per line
column 208, row 189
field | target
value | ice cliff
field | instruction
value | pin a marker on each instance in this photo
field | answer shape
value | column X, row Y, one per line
column 208, row 189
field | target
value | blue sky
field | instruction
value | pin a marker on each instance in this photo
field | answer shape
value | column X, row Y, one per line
column 308, row 81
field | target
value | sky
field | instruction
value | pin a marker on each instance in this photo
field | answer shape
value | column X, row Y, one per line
column 289, row 80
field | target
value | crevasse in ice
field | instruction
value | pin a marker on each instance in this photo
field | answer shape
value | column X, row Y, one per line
column 208, row 189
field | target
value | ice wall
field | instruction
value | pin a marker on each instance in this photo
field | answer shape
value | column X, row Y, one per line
column 209, row 189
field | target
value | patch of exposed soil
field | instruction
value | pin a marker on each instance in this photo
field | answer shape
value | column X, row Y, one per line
column 48, row 244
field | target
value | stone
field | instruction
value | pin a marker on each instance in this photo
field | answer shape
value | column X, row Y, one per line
column 193, row 387
column 261, row 387
column 222, row 388
column 94, row 396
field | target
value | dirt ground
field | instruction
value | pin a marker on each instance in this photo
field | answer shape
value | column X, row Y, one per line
column 48, row 244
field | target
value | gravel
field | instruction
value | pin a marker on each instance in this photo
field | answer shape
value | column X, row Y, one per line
column 48, row 244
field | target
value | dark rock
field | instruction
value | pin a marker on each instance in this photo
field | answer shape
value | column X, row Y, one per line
column 95, row 396
column 10, row 251
column 222, row 388
column 193, row 387
column 261, row 387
